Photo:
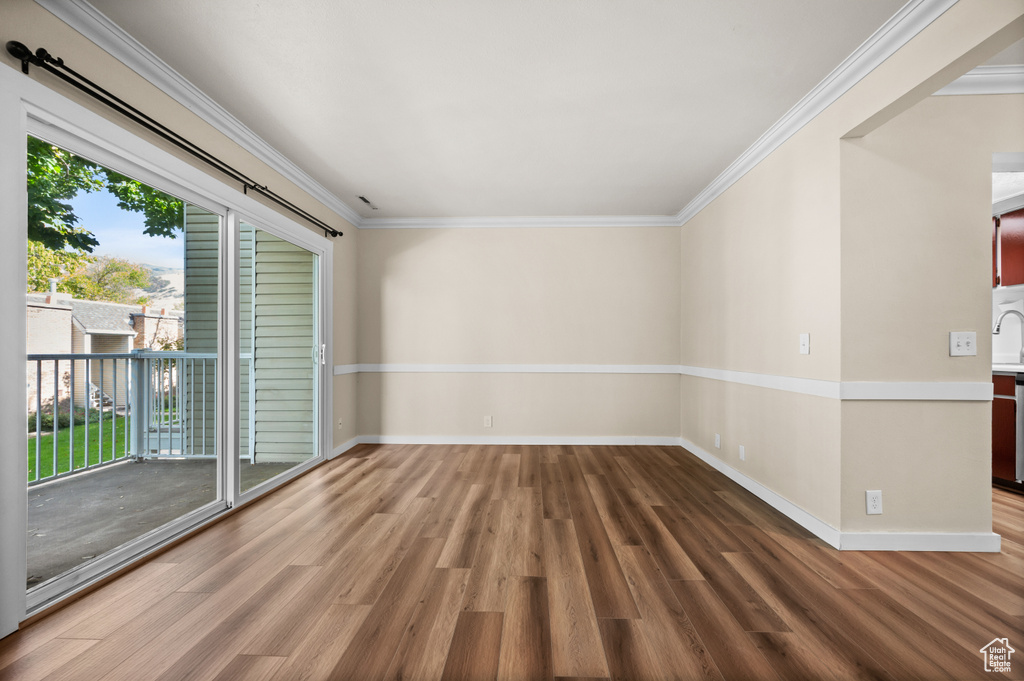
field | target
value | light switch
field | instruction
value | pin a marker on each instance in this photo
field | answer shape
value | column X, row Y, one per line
column 963, row 343
column 805, row 344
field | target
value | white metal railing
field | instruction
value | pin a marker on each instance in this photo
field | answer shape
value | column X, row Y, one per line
column 151, row 404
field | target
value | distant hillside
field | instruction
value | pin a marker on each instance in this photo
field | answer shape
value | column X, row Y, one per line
column 167, row 288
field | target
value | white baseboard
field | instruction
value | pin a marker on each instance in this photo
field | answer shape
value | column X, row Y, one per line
column 344, row 447
column 608, row 440
column 809, row 522
column 983, row 542
column 980, row 542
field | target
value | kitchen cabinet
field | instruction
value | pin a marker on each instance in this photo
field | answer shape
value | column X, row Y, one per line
column 1004, row 427
column 995, row 253
column 1011, row 249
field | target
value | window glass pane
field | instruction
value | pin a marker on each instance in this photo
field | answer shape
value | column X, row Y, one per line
column 121, row 309
column 279, row 361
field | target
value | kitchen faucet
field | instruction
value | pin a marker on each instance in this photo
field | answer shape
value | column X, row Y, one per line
column 999, row 322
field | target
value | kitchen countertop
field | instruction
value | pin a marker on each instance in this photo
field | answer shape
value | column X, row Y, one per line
column 1008, row 368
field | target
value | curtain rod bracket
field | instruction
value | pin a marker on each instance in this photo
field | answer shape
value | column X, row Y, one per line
column 20, row 52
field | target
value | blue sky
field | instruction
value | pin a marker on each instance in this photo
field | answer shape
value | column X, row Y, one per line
column 120, row 232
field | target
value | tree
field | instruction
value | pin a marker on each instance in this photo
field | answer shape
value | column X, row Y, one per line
column 87, row 277
column 111, row 279
column 58, row 247
column 56, row 176
column 46, row 263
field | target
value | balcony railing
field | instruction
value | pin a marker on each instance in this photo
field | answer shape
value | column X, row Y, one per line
column 92, row 410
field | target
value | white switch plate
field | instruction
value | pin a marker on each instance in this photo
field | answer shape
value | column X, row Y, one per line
column 873, row 498
column 743, row 453
column 488, row 422
column 805, row 344
column 718, row 441
column 963, row 343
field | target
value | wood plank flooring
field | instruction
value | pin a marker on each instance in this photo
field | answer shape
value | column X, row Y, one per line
column 522, row 563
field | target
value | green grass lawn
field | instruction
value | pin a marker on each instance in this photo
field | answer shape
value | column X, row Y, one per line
column 111, row 448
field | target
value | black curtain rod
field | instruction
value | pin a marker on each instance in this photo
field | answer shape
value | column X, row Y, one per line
column 56, row 66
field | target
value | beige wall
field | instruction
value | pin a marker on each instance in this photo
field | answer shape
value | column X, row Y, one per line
column 813, row 240
column 760, row 266
column 789, row 439
column 917, row 238
column 344, row 387
column 568, row 295
column 931, row 460
column 916, row 264
column 522, row 405
column 519, row 296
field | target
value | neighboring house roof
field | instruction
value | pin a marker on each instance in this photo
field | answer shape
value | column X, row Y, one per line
column 96, row 317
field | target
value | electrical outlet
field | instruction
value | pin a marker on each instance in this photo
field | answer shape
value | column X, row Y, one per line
column 718, row 441
column 805, row 344
column 488, row 422
column 743, row 453
column 874, row 501
column 963, row 343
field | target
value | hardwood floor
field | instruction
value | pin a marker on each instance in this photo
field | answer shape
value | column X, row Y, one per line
column 438, row 562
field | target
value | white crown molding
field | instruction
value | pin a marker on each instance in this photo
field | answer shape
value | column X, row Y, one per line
column 908, row 22
column 91, row 23
column 914, row 17
column 522, row 221
column 949, row 391
column 988, row 80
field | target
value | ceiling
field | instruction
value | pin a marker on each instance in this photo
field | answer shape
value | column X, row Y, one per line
column 457, row 108
column 1006, row 186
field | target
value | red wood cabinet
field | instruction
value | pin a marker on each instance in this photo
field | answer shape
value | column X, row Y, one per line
column 1004, row 428
column 995, row 254
column 1011, row 241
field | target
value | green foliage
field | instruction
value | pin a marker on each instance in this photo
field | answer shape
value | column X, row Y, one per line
column 87, row 277
column 45, row 263
column 168, row 345
column 111, row 279
column 164, row 213
column 56, row 176
column 113, row 446
column 63, row 419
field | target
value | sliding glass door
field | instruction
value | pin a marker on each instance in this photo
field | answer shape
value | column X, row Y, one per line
column 122, row 364
column 174, row 362
column 279, row 356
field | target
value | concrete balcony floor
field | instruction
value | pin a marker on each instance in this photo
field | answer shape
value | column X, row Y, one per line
column 75, row 519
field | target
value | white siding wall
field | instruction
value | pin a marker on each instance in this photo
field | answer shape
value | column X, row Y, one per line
column 276, row 300
column 202, row 233
column 245, row 285
column 284, row 343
